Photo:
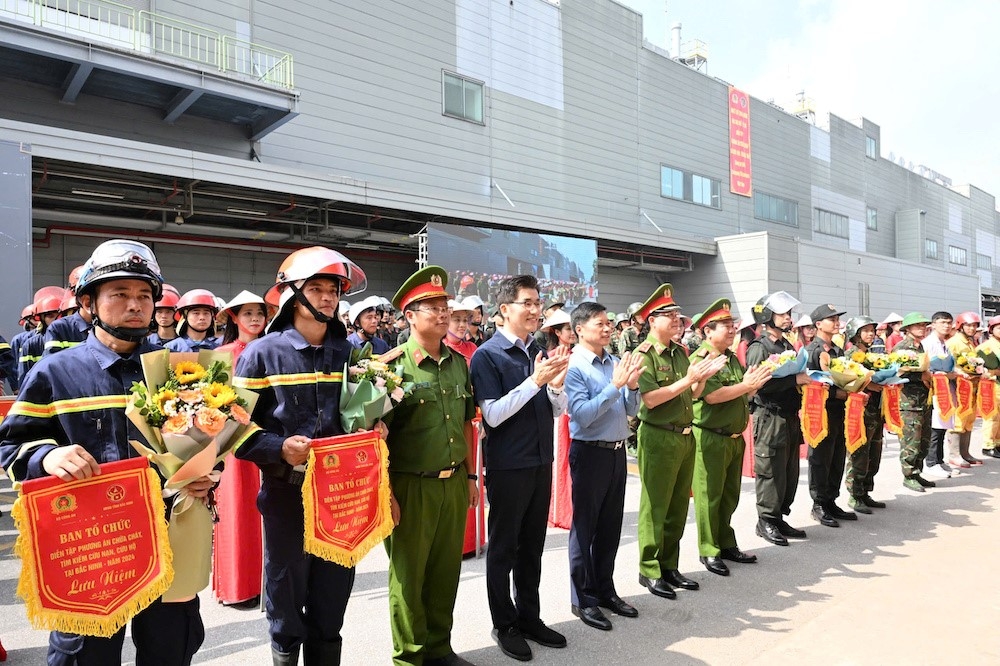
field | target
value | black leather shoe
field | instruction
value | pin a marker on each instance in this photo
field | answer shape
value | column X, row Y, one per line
column 823, row 516
column 593, row 617
column 993, row 453
column 839, row 513
column 924, row 482
column 770, row 532
column 715, row 565
column 658, row 586
column 874, row 504
column 677, row 579
column 790, row 532
column 538, row 632
column 512, row 643
column 619, row 606
column 734, row 554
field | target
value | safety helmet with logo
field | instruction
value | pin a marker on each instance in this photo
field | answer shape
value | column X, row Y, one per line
column 311, row 262
column 967, row 317
column 119, row 259
column 855, row 324
column 169, row 299
column 778, row 302
column 633, row 308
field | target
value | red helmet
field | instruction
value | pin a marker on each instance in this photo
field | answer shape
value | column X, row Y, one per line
column 316, row 261
column 74, row 276
column 48, row 299
column 68, row 301
column 27, row 313
column 196, row 298
column 968, row 318
column 992, row 322
column 169, row 299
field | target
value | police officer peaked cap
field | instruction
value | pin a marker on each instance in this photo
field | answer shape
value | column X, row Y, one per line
column 855, row 324
column 428, row 282
column 825, row 311
column 121, row 259
column 317, row 261
column 661, row 299
column 779, row 302
column 720, row 310
column 914, row 318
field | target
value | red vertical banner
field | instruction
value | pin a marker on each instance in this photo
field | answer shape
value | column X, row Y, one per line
column 854, row 422
column 740, row 175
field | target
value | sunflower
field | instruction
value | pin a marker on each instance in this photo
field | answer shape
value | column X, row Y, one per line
column 188, row 372
column 219, row 395
column 163, row 396
column 858, row 356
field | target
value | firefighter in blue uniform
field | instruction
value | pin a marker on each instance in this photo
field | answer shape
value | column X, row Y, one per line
column 297, row 370
column 47, row 302
column 49, row 433
column 196, row 312
column 17, row 342
column 70, row 329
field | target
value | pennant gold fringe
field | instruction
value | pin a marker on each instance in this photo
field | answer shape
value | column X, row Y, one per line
column 87, row 625
column 328, row 551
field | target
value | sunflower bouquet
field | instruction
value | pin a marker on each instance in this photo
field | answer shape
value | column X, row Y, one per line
column 191, row 418
column 786, row 363
column 970, row 363
column 849, row 374
column 371, row 388
column 884, row 371
column 909, row 360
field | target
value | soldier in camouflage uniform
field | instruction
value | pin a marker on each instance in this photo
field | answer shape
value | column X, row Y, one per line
column 863, row 464
column 628, row 340
column 915, row 407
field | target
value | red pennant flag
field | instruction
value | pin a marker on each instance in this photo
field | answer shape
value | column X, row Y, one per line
column 814, row 420
column 942, row 396
column 987, row 399
column 891, row 396
column 854, row 422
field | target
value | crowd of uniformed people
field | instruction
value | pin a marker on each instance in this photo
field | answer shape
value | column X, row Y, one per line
column 680, row 390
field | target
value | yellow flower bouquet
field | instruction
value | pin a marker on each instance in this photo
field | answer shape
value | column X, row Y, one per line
column 192, row 418
column 971, row 363
column 849, row 374
column 909, row 360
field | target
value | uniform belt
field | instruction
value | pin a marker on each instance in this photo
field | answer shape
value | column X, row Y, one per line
column 601, row 444
column 445, row 473
column 720, row 431
column 286, row 473
column 683, row 430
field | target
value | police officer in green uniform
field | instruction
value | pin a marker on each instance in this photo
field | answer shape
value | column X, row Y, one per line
column 721, row 414
column 430, row 439
column 914, row 406
column 668, row 384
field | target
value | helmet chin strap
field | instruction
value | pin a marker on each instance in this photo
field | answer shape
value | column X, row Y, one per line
column 120, row 332
column 301, row 298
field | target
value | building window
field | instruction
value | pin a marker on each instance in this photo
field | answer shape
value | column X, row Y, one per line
column 831, row 224
column 775, row 209
column 871, row 147
column 957, row 255
column 691, row 187
column 872, row 219
column 984, row 262
column 930, row 248
column 463, row 98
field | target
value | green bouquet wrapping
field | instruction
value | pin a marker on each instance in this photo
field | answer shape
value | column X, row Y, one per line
column 369, row 391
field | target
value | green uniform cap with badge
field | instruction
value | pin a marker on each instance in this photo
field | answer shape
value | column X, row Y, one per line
column 661, row 299
column 717, row 311
column 428, row 282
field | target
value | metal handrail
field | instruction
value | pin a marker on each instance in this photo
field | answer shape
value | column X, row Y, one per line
column 156, row 34
column 258, row 62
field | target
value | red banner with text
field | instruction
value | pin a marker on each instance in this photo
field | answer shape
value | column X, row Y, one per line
column 965, row 394
column 987, row 399
column 942, row 396
column 891, row 412
column 94, row 551
column 740, row 173
column 854, row 422
column 814, row 420
column 346, row 497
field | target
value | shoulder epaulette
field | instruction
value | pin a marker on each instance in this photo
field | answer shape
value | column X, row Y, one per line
column 644, row 347
column 391, row 355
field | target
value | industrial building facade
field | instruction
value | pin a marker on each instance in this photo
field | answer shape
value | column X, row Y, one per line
column 226, row 134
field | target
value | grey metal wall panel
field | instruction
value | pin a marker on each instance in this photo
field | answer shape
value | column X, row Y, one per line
column 617, row 288
column 15, row 234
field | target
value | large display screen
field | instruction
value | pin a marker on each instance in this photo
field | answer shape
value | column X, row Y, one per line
column 477, row 259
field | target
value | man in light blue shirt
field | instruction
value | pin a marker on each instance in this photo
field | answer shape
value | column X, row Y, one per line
column 602, row 393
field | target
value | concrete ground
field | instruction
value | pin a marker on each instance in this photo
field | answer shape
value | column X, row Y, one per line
column 909, row 585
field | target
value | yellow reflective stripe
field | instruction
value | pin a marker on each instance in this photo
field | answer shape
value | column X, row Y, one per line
column 4, row 345
column 62, row 344
column 72, row 406
column 257, row 383
column 24, row 452
column 251, row 429
column 28, row 357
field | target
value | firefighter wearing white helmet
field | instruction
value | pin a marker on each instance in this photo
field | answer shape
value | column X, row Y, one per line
column 777, row 431
column 364, row 316
column 50, row 431
column 297, row 371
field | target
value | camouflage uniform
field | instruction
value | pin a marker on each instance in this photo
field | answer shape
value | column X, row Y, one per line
column 916, row 412
column 628, row 340
column 863, row 464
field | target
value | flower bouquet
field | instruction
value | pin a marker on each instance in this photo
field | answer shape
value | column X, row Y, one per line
column 971, row 363
column 849, row 375
column 371, row 388
column 191, row 418
column 884, row 371
column 909, row 360
column 786, row 363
